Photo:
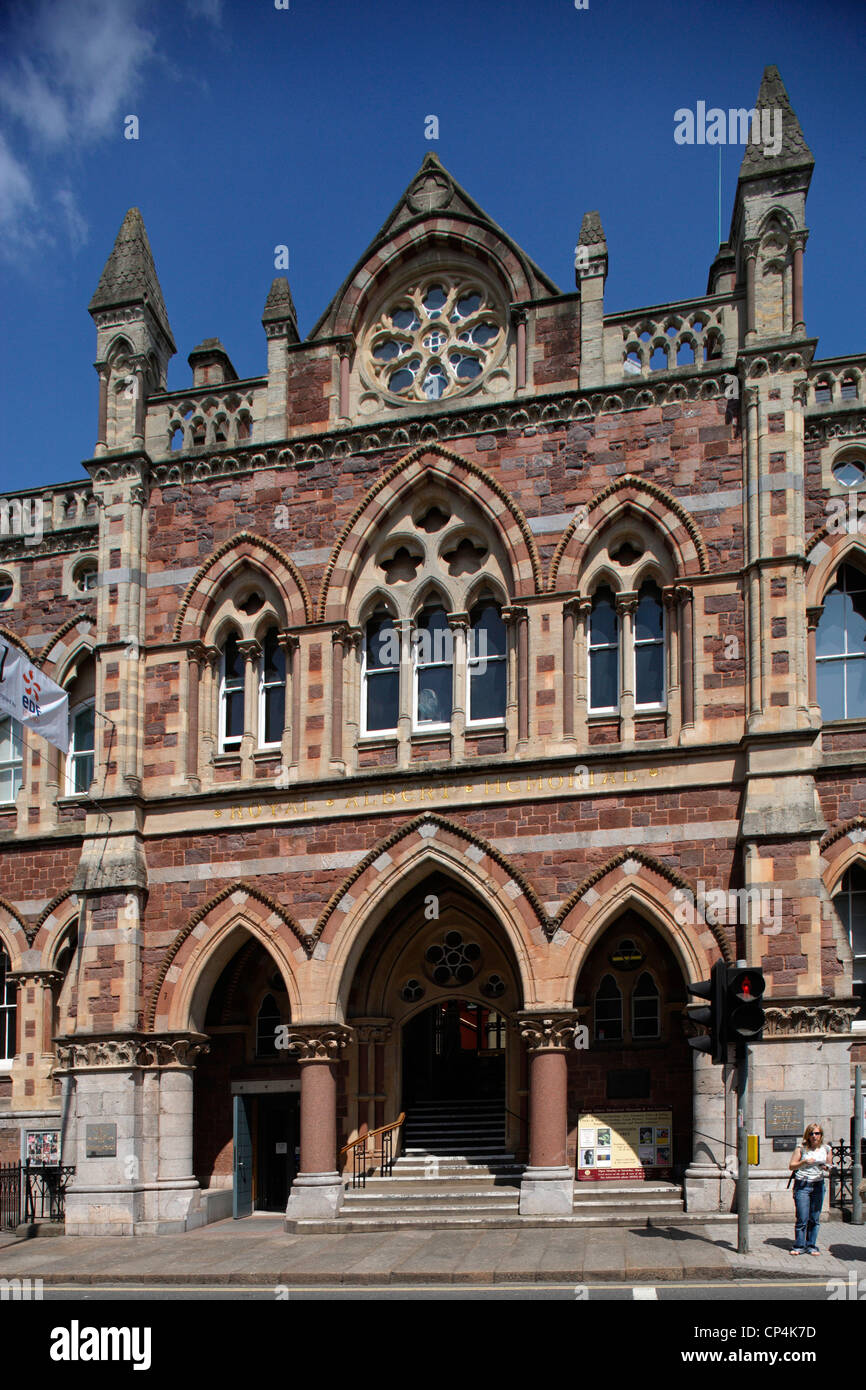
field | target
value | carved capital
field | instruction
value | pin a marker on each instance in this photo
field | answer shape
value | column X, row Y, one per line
column 250, row 649
column 548, row 1032
column 626, row 601
column 513, row 613
column 177, row 1050
column 797, row 1020
column 51, row 978
column 372, row 1030
column 458, row 622
column 813, row 616
column 318, row 1042
column 340, row 635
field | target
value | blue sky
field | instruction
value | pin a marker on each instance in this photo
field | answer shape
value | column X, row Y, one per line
column 260, row 127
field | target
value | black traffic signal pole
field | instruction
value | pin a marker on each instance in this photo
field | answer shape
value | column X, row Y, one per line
column 742, row 1054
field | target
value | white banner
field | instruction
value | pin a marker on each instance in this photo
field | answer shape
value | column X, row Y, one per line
column 32, row 698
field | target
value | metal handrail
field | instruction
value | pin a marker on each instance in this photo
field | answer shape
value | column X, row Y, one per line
column 361, row 1153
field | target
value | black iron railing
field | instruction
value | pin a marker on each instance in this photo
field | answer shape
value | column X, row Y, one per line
column 32, row 1192
column 842, row 1175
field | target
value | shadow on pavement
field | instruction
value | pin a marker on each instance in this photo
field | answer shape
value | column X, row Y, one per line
column 680, row 1233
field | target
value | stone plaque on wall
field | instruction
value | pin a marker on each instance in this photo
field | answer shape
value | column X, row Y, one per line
column 101, row 1141
column 784, row 1115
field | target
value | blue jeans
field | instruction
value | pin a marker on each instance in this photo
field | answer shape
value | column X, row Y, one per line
column 808, row 1201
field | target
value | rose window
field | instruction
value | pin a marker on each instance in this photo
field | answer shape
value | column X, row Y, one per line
column 434, row 340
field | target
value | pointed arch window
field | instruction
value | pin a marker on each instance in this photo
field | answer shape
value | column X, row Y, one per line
column 840, row 647
column 487, row 662
column 231, row 695
column 11, row 760
column 850, row 903
column 645, row 1011
column 272, row 690
column 267, row 1022
column 8, row 1006
column 649, row 648
column 608, row 1011
column 434, row 670
column 380, row 674
column 603, row 651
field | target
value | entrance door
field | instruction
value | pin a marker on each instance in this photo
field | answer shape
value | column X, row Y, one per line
column 242, row 1199
column 278, row 1138
column 454, row 1051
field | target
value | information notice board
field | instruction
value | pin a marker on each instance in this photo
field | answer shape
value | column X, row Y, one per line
column 618, row 1144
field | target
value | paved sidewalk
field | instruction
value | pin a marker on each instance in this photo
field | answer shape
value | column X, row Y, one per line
column 258, row 1251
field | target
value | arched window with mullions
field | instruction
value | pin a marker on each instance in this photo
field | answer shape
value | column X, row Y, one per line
column 272, row 690
column 649, row 648
column 603, row 651
column 850, row 903
column 433, row 694
column 487, row 662
column 380, row 674
column 608, row 1011
column 231, row 695
column 840, row 647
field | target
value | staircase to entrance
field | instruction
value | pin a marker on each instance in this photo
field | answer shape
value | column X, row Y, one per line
column 455, row 1171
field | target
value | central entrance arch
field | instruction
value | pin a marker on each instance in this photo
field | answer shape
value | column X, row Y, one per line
column 430, row 1004
column 454, row 1050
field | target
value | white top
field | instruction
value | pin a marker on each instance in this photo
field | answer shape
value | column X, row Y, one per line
column 814, row 1162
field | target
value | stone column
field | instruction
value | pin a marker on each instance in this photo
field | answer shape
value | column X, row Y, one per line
column 251, row 651
column 291, row 643
column 569, row 627
column 685, row 600
column 128, row 1132
column 520, row 618
column 798, row 316
column 547, row 1187
column 339, row 639
column 210, row 711
column 583, row 609
column 626, row 604
column 352, row 714
column 813, row 618
column 458, row 624
column 102, row 422
column 406, row 691
column 344, row 348
column 518, row 318
column 751, row 253
column 196, row 660
column 318, row 1189
column 670, row 599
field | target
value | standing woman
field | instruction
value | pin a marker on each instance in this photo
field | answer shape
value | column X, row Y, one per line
column 810, row 1164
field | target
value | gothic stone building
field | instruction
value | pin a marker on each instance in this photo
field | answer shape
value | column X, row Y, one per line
column 480, row 673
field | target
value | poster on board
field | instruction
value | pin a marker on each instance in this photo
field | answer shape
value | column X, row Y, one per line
column 624, row 1144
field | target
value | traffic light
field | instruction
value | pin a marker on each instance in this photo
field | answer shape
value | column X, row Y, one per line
column 744, row 1012
column 712, row 1017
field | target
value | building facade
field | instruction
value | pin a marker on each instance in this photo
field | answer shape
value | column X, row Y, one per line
column 447, row 696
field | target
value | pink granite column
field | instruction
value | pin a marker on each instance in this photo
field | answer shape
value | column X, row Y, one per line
column 547, row 1187
column 317, row 1191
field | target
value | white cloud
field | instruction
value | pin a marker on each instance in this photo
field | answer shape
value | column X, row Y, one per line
column 68, row 76
column 76, row 226
column 16, row 190
column 211, row 10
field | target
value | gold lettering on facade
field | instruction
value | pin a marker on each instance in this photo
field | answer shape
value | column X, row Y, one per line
column 374, row 800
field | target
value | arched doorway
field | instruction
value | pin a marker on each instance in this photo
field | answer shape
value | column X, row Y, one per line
column 632, row 992
column 439, row 981
column 454, row 1050
column 246, row 1094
